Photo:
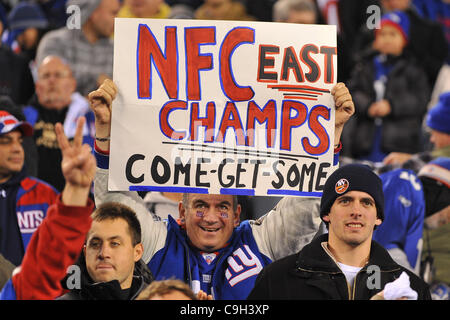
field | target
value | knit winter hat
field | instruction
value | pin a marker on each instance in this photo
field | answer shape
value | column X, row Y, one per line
column 352, row 177
column 86, row 8
column 398, row 20
column 26, row 15
column 438, row 117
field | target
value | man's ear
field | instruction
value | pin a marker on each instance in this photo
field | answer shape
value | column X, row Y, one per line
column 182, row 213
column 326, row 218
column 378, row 222
column 237, row 215
column 138, row 252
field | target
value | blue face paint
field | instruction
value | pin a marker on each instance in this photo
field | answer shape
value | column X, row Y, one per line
column 200, row 214
column 224, row 215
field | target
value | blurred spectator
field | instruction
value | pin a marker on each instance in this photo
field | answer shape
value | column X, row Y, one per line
column 261, row 9
column 31, row 155
column 56, row 101
column 401, row 231
column 24, row 200
column 295, row 11
column 222, row 10
column 26, row 24
column 390, row 91
column 348, row 16
column 439, row 11
column 435, row 176
column 144, row 9
column 427, row 41
column 438, row 120
column 55, row 11
column 16, row 80
column 88, row 50
column 194, row 4
column 163, row 204
column 181, row 11
column 58, row 240
column 172, row 289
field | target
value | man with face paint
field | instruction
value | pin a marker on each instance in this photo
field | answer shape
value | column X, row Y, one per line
column 208, row 247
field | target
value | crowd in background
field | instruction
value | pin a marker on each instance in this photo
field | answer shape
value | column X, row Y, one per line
column 50, row 62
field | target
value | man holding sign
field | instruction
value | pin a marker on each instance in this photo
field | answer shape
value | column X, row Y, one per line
column 214, row 110
column 208, row 247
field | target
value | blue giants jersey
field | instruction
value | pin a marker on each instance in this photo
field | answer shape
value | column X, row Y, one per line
column 404, row 214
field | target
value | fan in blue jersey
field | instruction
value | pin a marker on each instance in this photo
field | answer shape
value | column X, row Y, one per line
column 409, row 199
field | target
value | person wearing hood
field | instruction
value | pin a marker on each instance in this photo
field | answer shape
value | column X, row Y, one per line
column 87, row 46
column 24, row 200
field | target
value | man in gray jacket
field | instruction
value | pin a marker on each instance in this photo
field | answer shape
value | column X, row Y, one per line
column 87, row 47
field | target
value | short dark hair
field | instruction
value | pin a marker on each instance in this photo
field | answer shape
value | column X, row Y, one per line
column 116, row 210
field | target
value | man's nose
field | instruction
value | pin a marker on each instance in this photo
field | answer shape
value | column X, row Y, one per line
column 104, row 252
column 210, row 215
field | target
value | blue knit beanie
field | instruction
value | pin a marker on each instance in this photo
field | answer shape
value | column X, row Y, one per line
column 352, row 177
column 438, row 117
column 27, row 15
column 399, row 20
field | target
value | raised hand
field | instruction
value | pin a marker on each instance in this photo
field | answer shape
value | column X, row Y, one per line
column 345, row 108
column 100, row 101
column 78, row 165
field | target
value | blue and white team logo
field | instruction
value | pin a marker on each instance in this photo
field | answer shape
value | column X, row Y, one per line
column 29, row 221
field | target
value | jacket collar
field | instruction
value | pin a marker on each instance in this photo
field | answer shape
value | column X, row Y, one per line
column 313, row 257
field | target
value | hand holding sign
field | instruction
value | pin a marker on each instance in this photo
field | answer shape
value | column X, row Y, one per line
column 345, row 108
column 100, row 101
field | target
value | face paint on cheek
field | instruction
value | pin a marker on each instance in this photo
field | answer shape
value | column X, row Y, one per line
column 224, row 215
column 200, row 214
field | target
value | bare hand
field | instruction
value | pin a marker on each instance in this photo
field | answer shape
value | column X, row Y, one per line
column 78, row 163
column 345, row 107
column 201, row 295
column 397, row 158
column 101, row 100
column 380, row 109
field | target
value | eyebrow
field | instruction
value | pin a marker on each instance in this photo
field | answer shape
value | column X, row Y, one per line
column 107, row 239
column 225, row 202
column 346, row 197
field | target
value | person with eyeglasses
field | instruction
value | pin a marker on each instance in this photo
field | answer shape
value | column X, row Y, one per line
column 56, row 100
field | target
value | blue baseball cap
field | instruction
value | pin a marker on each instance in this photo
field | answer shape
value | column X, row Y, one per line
column 9, row 123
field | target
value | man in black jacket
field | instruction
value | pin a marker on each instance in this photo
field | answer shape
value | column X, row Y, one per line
column 345, row 263
column 110, row 266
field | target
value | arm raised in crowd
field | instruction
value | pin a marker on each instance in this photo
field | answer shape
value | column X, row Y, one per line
column 153, row 232
column 59, row 239
column 295, row 220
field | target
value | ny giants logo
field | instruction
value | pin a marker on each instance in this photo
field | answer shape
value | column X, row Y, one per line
column 249, row 265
